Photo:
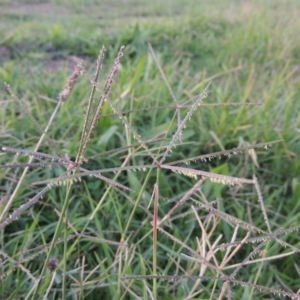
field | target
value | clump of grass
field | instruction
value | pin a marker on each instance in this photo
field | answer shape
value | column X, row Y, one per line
column 108, row 239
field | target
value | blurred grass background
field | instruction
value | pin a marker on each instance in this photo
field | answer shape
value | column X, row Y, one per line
column 248, row 50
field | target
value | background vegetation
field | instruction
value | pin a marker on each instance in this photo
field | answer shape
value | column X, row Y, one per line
column 248, row 50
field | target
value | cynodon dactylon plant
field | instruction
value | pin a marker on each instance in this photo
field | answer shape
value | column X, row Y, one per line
column 96, row 227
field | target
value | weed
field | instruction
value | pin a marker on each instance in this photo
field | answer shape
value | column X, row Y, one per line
column 99, row 239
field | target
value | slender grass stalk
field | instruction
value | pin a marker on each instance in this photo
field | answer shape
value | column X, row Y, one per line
column 54, row 239
column 50, row 286
column 82, row 144
column 258, row 273
column 65, row 216
column 154, row 224
column 139, row 197
column 62, row 98
column 20, row 181
column 169, row 89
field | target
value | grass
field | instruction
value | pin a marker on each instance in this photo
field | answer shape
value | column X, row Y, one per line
column 161, row 239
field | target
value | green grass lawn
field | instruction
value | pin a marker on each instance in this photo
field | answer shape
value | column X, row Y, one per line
column 98, row 238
